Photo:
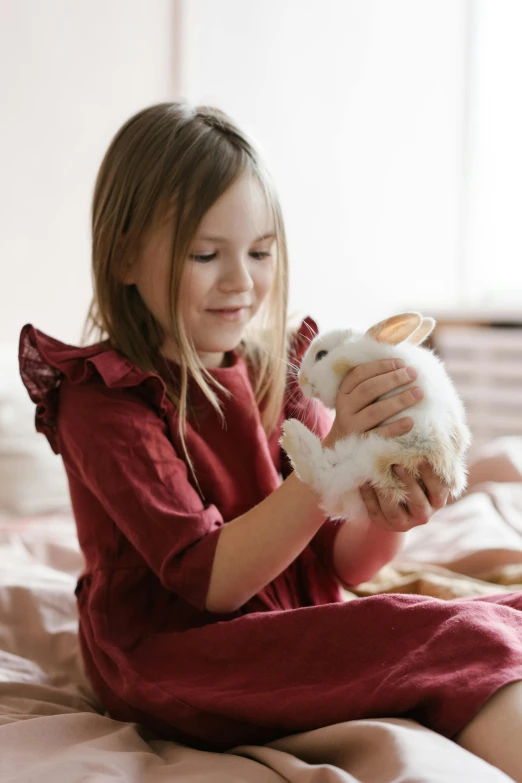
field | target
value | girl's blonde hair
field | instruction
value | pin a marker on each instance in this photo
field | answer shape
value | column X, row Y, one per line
column 175, row 159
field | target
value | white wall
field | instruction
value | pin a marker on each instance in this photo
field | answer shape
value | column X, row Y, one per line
column 392, row 191
column 359, row 107
column 70, row 74
column 494, row 259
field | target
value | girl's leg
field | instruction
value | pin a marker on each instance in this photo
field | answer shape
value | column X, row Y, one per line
column 266, row 675
column 495, row 733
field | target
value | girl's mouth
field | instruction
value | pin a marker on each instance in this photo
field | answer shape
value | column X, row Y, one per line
column 229, row 313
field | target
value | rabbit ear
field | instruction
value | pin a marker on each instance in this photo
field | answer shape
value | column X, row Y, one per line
column 421, row 332
column 396, row 329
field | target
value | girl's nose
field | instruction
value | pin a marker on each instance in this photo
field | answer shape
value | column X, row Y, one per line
column 236, row 276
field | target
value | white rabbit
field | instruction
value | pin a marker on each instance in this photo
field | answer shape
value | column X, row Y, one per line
column 439, row 435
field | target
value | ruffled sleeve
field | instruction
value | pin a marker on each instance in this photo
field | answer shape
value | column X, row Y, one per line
column 319, row 420
column 46, row 362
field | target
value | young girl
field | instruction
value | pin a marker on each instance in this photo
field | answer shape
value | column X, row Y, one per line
column 209, row 606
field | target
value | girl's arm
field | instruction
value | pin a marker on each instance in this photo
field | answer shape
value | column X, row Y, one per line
column 256, row 547
column 361, row 549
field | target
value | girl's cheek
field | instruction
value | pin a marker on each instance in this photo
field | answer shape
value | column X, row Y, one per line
column 203, row 280
column 198, row 285
column 267, row 278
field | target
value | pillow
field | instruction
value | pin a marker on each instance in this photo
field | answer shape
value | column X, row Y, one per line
column 32, row 477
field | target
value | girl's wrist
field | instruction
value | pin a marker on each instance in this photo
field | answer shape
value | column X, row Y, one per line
column 308, row 494
column 361, row 549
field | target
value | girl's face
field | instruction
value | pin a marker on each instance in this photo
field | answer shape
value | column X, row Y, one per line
column 228, row 274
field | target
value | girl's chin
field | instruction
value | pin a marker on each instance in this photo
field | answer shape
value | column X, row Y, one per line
column 220, row 340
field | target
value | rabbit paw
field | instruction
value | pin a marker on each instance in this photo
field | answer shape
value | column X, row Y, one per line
column 452, row 472
column 303, row 448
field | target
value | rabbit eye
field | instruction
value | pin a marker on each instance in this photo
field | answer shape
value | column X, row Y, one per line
column 319, row 355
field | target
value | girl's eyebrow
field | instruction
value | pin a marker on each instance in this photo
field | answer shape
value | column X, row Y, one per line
column 208, row 238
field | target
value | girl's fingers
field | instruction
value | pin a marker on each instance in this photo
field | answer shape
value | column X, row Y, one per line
column 437, row 491
column 373, row 508
column 363, row 372
column 395, row 428
column 360, row 405
column 390, row 516
column 419, row 509
column 370, row 390
column 373, row 415
column 397, row 516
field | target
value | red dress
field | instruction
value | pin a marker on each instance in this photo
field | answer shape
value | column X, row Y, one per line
column 295, row 656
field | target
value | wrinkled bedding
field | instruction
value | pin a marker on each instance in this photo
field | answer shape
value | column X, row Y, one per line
column 53, row 729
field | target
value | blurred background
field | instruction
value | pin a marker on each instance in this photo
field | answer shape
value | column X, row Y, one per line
column 392, row 128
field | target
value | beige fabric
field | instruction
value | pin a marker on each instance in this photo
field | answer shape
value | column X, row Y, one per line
column 53, row 729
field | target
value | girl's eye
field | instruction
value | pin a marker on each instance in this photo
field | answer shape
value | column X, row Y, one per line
column 205, row 257
column 320, row 355
column 202, row 258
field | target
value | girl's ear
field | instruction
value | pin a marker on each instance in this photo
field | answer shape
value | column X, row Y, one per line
column 396, row 329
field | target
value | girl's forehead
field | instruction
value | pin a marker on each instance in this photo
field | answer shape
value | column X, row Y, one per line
column 242, row 211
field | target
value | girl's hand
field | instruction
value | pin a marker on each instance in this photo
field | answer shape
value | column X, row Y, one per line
column 422, row 503
column 358, row 408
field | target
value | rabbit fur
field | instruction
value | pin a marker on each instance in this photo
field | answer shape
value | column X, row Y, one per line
column 439, row 436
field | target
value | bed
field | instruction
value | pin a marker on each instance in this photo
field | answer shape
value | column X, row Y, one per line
column 52, row 727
